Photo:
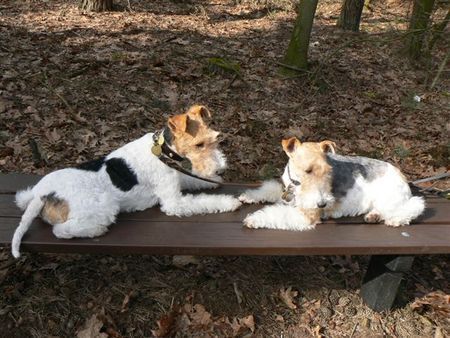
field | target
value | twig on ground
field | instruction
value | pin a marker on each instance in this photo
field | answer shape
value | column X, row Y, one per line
column 439, row 72
column 37, row 151
column 74, row 115
column 432, row 178
column 354, row 329
column 238, row 293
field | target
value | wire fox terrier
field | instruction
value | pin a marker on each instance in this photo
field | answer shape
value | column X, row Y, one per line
column 320, row 184
column 84, row 201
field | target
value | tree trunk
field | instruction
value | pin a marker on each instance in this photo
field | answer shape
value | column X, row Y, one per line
column 420, row 20
column 297, row 52
column 96, row 5
column 350, row 16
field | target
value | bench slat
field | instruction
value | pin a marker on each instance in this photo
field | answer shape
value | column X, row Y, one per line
column 437, row 212
column 151, row 232
column 194, row 238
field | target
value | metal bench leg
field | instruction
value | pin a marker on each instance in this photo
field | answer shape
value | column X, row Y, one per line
column 382, row 280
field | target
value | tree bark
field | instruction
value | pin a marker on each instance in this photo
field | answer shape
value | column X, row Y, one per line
column 297, row 52
column 96, row 5
column 350, row 16
column 418, row 25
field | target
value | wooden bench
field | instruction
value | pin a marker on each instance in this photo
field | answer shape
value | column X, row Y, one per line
column 152, row 232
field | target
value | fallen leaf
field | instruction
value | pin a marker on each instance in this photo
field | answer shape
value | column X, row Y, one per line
column 287, row 296
column 248, row 322
column 165, row 324
column 91, row 329
column 437, row 301
column 181, row 261
column 200, row 316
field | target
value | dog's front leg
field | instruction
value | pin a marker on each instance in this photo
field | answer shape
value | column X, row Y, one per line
column 283, row 217
column 173, row 202
column 269, row 191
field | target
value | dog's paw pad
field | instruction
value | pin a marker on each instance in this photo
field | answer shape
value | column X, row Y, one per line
column 396, row 224
column 251, row 221
column 372, row 218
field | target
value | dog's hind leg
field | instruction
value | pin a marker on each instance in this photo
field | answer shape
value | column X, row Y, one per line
column 404, row 212
column 78, row 228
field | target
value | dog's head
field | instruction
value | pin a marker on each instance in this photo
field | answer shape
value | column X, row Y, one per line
column 308, row 164
column 195, row 140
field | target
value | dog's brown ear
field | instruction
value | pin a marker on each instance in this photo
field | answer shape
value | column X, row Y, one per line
column 290, row 144
column 328, row 146
column 178, row 123
column 199, row 112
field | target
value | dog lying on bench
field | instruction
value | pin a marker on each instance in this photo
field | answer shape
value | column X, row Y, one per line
column 84, row 201
column 320, row 184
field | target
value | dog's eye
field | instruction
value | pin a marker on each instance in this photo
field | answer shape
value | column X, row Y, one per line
column 200, row 145
column 308, row 171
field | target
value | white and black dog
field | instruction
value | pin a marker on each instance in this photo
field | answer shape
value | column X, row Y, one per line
column 320, row 184
column 84, row 201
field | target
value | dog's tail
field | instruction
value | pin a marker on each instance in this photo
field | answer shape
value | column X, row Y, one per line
column 33, row 208
column 411, row 209
column 23, row 198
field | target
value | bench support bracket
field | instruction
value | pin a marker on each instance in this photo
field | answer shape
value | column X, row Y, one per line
column 382, row 280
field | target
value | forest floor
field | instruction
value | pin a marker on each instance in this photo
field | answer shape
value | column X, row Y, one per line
column 74, row 86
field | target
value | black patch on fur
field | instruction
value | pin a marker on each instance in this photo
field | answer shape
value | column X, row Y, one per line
column 347, row 168
column 168, row 136
column 121, row 174
column 93, row 165
column 51, row 198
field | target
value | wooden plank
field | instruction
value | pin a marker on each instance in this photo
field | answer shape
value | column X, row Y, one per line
column 200, row 238
column 10, row 183
column 437, row 212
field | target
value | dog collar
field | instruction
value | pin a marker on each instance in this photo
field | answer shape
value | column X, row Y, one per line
column 295, row 182
column 288, row 192
column 161, row 149
column 161, row 146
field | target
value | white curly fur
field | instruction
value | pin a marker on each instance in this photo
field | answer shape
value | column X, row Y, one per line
column 387, row 198
column 94, row 201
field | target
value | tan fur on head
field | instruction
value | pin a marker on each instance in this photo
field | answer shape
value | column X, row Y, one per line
column 199, row 112
column 308, row 160
column 328, row 146
column 194, row 139
column 290, row 144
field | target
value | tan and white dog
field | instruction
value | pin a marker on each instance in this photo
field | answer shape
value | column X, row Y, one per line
column 324, row 185
column 83, row 201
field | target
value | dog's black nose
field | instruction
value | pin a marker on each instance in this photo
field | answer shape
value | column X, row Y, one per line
column 322, row 205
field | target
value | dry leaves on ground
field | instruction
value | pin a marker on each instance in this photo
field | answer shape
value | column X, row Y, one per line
column 195, row 319
column 91, row 329
column 436, row 301
column 287, row 296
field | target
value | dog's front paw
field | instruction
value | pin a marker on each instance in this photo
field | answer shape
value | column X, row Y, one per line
column 396, row 223
column 230, row 204
column 372, row 217
column 252, row 221
column 245, row 198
